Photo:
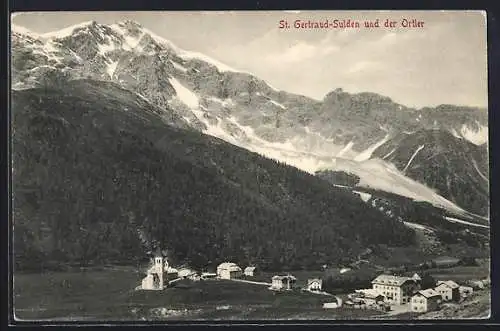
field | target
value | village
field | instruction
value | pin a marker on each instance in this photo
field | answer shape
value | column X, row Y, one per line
column 389, row 294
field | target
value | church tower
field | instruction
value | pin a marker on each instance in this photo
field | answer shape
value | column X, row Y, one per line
column 159, row 269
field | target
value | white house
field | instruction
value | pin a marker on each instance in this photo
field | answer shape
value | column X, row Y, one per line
column 425, row 300
column 397, row 290
column 283, row 282
column 314, row 284
column 228, row 270
column 449, row 290
column 250, row 271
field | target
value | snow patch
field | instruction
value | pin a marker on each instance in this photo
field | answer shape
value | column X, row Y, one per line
column 272, row 87
column 478, row 171
column 367, row 153
column 184, row 94
column 456, row 220
column 284, row 152
column 364, row 196
column 418, row 226
column 380, row 175
column 455, row 133
column 476, row 136
column 105, row 48
column 344, row 150
column 178, row 66
column 226, row 102
column 110, row 69
column 130, row 42
column 277, row 104
column 388, row 154
column 142, row 97
column 413, row 156
column 188, row 55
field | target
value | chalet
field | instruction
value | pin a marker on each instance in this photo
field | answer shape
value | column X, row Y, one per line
column 449, row 290
column 425, row 300
column 314, row 284
column 228, row 270
column 370, row 296
column 249, row 271
column 283, row 282
column 397, row 290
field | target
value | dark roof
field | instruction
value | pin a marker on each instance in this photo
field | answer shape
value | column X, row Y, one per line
column 428, row 293
column 449, row 283
column 390, row 280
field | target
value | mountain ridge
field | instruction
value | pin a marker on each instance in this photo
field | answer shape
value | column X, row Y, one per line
column 203, row 198
column 235, row 106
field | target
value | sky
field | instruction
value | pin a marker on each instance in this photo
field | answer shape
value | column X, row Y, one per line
column 443, row 62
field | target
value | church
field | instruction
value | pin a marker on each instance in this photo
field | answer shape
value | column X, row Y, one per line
column 157, row 274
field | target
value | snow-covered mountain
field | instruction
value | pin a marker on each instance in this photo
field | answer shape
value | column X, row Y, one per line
column 456, row 168
column 340, row 132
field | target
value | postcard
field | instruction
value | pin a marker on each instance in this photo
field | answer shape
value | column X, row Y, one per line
column 250, row 166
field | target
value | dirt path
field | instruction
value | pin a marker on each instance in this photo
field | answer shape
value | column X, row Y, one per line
column 251, row 282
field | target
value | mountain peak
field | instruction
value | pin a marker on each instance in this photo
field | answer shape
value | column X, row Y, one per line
column 65, row 32
column 129, row 23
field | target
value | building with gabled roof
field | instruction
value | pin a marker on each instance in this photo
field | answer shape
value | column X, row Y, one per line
column 465, row 291
column 369, row 296
column 314, row 284
column 229, row 270
column 449, row 290
column 397, row 290
column 249, row 271
column 156, row 276
column 449, row 283
column 425, row 300
column 286, row 282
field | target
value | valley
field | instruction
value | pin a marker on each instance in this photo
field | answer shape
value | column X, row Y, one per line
column 124, row 144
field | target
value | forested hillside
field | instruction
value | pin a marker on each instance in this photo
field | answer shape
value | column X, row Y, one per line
column 98, row 173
